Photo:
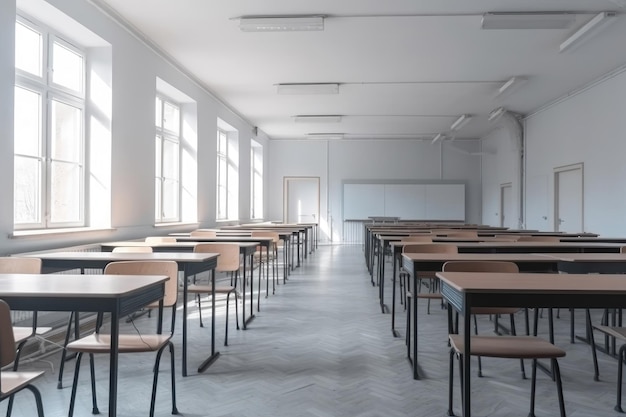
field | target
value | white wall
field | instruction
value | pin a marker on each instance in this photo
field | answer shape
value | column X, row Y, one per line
column 587, row 128
column 135, row 68
column 376, row 160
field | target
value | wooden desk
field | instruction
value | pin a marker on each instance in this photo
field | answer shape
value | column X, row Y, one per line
column 583, row 263
column 464, row 290
column 118, row 295
column 413, row 263
column 246, row 249
column 189, row 263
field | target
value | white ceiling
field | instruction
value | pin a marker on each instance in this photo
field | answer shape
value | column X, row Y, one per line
column 406, row 68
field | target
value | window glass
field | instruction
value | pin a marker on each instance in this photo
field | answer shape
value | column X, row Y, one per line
column 28, row 49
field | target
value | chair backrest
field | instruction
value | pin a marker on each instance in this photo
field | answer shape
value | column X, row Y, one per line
column 480, row 266
column 131, row 249
column 266, row 233
column 622, row 249
column 228, row 261
column 18, row 265
column 417, row 238
column 430, row 248
column 160, row 239
column 508, row 236
column 552, row 239
column 203, row 233
column 7, row 341
column 169, row 268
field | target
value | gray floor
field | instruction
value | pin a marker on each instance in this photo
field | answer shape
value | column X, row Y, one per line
column 320, row 347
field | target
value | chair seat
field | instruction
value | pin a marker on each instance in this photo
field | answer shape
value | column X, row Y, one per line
column 21, row 333
column 101, row 343
column 514, row 347
column 207, row 288
column 616, row 332
column 15, row 381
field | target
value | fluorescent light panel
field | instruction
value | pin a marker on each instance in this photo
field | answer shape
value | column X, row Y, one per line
column 317, row 119
column 586, row 30
column 523, row 20
column 439, row 137
column 460, row 122
column 511, row 84
column 330, row 136
column 308, row 88
column 496, row 114
column 280, row 23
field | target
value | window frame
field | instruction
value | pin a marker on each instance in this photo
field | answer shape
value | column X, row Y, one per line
column 256, row 151
column 165, row 136
column 49, row 93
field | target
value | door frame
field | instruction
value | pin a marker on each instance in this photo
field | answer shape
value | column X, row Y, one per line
column 286, row 181
column 557, row 171
column 502, row 188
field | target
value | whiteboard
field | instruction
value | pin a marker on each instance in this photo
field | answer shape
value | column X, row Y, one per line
column 406, row 201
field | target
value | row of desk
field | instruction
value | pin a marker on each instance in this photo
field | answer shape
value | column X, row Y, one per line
column 119, row 295
column 593, row 280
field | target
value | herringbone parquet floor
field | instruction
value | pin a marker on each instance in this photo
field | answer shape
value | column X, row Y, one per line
column 320, row 347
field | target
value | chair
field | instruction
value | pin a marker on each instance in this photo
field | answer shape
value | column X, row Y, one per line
column 99, row 342
column 22, row 334
column 132, row 249
column 464, row 234
column 488, row 266
column 272, row 255
column 228, row 261
column 508, row 347
column 12, row 382
column 160, row 239
column 203, row 233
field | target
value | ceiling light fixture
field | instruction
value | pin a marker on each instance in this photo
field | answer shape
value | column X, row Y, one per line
column 496, row 114
column 280, row 23
column 308, row 88
column 439, row 137
column 460, row 122
column 511, row 84
column 524, row 20
column 586, row 30
column 329, row 136
column 317, row 119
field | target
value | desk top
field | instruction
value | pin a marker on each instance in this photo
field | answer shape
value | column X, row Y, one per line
column 587, row 257
column 74, row 285
column 535, row 283
column 504, row 257
column 126, row 256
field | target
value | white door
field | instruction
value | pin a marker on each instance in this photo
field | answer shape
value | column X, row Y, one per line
column 568, row 199
column 507, row 212
column 301, row 199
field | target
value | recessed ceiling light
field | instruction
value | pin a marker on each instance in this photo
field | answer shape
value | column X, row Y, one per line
column 460, row 122
column 329, row 136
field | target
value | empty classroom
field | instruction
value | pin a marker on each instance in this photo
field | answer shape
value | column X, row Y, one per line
column 309, row 139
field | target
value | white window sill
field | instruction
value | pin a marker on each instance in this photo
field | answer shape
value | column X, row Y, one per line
column 19, row 234
column 176, row 225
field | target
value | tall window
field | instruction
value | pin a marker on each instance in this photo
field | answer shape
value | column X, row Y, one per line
column 227, row 172
column 167, row 172
column 222, row 175
column 49, row 142
column 256, row 181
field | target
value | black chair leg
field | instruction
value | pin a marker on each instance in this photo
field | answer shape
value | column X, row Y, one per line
column 38, row 401
column 451, row 383
column 94, row 399
column 620, row 366
column 559, row 386
column 533, row 383
column 174, row 408
column 155, row 380
column 74, row 385
column 226, row 331
column 199, row 310
column 592, row 341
